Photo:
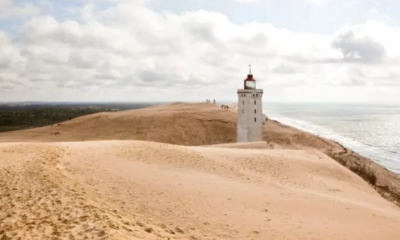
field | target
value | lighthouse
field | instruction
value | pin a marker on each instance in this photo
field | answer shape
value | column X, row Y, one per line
column 250, row 117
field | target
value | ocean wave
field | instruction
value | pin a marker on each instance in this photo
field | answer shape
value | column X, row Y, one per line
column 377, row 154
column 312, row 128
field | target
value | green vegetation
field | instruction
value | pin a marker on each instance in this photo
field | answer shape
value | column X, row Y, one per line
column 18, row 117
column 29, row 118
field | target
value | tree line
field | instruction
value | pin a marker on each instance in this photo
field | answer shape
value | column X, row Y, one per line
column 24, row 116
column 16, row 119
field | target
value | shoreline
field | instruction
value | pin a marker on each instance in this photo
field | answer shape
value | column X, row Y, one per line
column 354, row 145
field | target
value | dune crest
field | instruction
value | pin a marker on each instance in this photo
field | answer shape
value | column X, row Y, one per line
column 38, row 201
column 177, row 123
column 202, row 124
column 149, row 178
column 145, row 190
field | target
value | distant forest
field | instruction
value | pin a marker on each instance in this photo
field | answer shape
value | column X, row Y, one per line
column 23, row 116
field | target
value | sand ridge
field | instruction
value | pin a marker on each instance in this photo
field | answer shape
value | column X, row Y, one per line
column 202, row 124
column 179, row 123
column 146, row 190
column 37, row 201
column 121, row 175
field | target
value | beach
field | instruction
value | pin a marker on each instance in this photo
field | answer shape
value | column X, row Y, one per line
column 175, row 171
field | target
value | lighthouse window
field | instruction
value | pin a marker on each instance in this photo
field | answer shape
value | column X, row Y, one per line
column 255, row 102
column 255, row 119
column 242, row 110
column 256, row 95
column 243, row 102
column 255, row 110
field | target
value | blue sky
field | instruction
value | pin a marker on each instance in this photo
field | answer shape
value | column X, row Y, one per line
column 301, row 50
column 322, row 16
column 294, row 15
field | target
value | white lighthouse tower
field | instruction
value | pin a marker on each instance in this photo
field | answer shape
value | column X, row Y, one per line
column 250, row 116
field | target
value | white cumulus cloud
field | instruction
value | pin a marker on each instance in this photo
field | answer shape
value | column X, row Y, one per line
column 129, row 48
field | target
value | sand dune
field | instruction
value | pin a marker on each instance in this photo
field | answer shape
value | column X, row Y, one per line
column 143, row 190
column 38, row 201
column 179, row 123
column 54, row 186
column 201, row 124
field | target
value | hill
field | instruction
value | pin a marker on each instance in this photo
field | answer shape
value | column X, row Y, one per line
column 25, row 115
column 178, row 123
column 147, row 190
column 202, row 124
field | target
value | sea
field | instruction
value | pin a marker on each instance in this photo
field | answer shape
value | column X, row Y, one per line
column 371, row 130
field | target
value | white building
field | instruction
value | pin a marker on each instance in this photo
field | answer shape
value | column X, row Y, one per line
column 250, row 116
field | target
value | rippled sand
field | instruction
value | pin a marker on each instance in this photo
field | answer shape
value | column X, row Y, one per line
column 145, row 190
column 107, row 176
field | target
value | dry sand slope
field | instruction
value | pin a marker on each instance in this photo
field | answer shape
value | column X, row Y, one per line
column 145, row 190
column 178, row 123
column 285, row 188
column 201, row 124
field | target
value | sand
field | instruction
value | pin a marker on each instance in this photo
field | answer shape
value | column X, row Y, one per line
column 202, row 124
column 60, row 187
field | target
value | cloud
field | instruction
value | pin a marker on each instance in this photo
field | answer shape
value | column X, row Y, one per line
column 318, row 2
column 10, row 9
column 283, row 68
column 130, row 47
column 358, row 47
column 247, row 1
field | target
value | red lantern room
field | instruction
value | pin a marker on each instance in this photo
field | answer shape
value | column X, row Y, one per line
column 250, row 82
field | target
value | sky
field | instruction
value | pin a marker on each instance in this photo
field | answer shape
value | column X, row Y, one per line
column 192, row 50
